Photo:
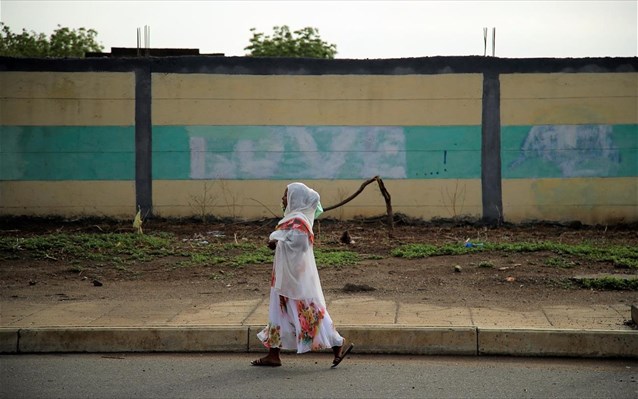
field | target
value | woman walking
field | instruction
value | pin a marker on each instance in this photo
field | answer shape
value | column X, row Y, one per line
column 297, row 315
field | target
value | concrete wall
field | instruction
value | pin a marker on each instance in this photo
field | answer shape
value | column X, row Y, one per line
column 450, row 136
column 569, row 146
column 65, row 144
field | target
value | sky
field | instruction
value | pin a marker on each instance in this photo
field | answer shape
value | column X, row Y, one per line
column 360, row 29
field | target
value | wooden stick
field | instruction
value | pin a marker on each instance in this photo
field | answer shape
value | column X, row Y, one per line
column 384, row 192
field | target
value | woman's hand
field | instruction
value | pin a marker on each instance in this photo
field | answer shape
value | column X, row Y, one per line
column 272, row 244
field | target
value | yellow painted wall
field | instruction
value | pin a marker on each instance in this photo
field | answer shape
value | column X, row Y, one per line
column 589, row 200
column 404, row 100
column 256, row 199
column 569, row 98
column 67, row 98
column 564, row 99
column 68, row 198
column 101, row 98
column 343, row 100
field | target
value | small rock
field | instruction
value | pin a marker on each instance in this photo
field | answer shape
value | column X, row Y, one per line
column 97, row 283
column 458, row 269
column 357, row 288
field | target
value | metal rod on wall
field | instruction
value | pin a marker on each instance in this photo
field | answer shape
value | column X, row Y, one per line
column 484, row 42
column 493, row 42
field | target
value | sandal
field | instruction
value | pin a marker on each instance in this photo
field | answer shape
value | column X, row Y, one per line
column 341, row 356
column 264, row 363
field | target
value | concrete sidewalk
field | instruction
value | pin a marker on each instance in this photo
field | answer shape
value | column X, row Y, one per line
column 376, row 326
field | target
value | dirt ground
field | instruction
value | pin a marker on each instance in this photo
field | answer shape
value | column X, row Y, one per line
column 513, row 281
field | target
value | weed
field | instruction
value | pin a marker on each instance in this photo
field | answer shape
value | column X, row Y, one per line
column 256, row 256
column 412, row 251
column 220, row 275
column 100, row 249
column 559, row 262
column 562, row 283
column 609, row 283
column 76, row 269
column 325, row 257
column 240, row 246
column 203, row 203
column 619, row 256
column 122, row 268
column 451, row 201
column 486, row 264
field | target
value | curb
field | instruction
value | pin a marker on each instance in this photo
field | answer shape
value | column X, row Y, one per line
column 562, row 343
column 453, row 341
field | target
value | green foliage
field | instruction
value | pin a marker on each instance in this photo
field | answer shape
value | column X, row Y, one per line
column 121, row 249
column 620, row 256
column 413, row 251
column 255, row 256
column 486, row 264
column 303, row 43
column 326, row 257
column 63, row 42
column 609, row 283
column 113, row 248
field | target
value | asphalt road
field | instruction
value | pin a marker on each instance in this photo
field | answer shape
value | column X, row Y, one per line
column 210, row 375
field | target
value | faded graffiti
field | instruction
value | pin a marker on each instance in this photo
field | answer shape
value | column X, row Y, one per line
column 289, row 152
column 573, row 150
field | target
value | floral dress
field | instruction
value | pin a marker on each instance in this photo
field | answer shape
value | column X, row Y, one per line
column 297, row 315
column 298, row 324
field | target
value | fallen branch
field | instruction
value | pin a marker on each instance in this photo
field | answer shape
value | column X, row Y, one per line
column 384, row 192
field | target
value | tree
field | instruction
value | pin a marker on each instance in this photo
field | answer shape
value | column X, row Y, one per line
column 63, row 42
column 303, row 43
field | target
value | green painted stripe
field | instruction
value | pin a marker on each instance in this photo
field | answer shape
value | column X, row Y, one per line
column 315, row 152
column 443, row 152
column 564, row 151
column 67, row 153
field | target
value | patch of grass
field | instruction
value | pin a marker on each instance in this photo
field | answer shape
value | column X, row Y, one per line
column 206, row 259
column 562, row 283
column 239, row 246
column 618, row 255
column 414, row 251
column 254, row 256
column 93, row 247
column 609, row 283
column 326, row 257
column 486, row 264
column 220, row 275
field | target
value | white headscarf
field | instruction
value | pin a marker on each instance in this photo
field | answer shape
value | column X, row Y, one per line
column 296, row 274
column 302, row 202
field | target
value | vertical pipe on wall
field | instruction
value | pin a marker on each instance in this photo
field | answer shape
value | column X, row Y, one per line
column 143, row 140
column 491, row 150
